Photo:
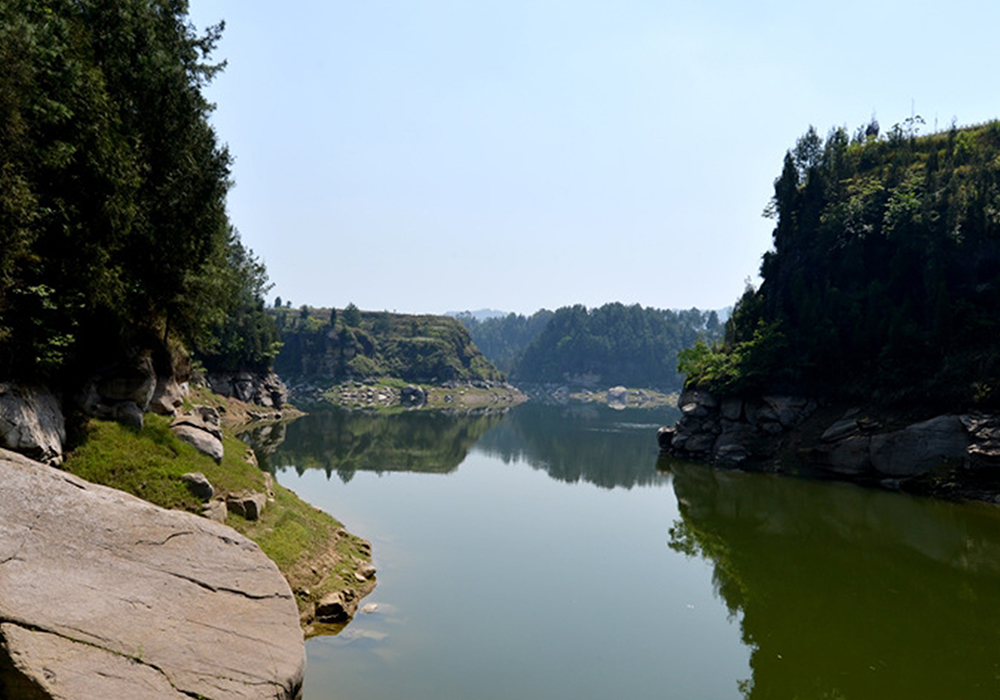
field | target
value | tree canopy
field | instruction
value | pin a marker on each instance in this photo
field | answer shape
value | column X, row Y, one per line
column 113, row 223
column 884, row 278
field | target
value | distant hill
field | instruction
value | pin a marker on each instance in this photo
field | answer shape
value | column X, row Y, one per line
column 503, row 339
column 613, row 344
column 480, row 315
column 376, row 344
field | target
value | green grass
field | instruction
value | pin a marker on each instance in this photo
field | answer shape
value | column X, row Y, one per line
column 148, row 463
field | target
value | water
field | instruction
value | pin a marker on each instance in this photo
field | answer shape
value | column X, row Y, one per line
column 543, row 554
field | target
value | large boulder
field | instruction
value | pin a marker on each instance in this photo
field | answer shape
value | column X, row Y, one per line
column 200, row 428
column 920, row 447
column 103, row 595
column 31, row 422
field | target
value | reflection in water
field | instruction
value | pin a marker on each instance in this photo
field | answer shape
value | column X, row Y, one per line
column 588, row 442
column 341, row 441
column 847, row 592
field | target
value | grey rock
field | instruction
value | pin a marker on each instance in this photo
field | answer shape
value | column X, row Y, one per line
column 839, row 430
column 129, row 414
column 201, row 440
column 199, row 485
column 249, row 505
column 167, row 397
column 215, row 510
column 134, row 381
column 103, row 595
column 731, row 454
column 31, row 422
column 849, row 456
column 665, row 436
column 771, row 427
column 732, row 409
column 789, row 410
column 264, row 389
column 337, row 607
column 702, row 442
column 920, row 448
column 698, row 396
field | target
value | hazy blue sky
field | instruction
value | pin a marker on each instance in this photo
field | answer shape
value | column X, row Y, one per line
column 434, row 155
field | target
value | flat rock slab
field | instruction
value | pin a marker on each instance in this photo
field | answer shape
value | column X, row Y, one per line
column 105, row 595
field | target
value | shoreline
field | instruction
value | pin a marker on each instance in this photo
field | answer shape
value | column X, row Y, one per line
column 952, row 456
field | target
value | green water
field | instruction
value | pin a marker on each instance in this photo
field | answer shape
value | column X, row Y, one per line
column 543, row 554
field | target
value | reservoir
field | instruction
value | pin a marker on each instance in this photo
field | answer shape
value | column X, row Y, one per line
column 548, row 552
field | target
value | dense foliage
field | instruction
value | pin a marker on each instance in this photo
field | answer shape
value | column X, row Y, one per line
column 614, row 344
column 113, row 227
column 503, row 339
column 884, row 280
column 322, row 344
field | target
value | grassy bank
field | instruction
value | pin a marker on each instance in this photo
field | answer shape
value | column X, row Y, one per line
column 311, row 548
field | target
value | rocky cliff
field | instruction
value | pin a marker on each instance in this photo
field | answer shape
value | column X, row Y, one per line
column 103, row 595
column 950, row 454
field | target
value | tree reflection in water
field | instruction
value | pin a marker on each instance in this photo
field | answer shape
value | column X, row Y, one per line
column 847, row 592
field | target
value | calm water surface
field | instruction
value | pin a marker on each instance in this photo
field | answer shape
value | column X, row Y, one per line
column 543, row 554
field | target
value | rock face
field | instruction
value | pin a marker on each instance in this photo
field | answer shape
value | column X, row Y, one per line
column 31, row 422
column 732, row 432
column 262, row 389
column 103, row 595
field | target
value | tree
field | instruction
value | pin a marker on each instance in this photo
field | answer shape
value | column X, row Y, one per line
column 113, row 225
column 277, row 302
column 352, row 316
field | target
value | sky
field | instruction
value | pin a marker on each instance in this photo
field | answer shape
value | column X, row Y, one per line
column 425, row 156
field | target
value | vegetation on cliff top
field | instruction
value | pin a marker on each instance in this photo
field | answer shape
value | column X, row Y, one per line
column 113, row 229
column 884, row 280
column 352, row 344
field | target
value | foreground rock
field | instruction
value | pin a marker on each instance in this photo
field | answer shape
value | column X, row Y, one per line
column 103, row 595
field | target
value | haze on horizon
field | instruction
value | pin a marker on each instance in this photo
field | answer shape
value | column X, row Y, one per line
column 434, row 156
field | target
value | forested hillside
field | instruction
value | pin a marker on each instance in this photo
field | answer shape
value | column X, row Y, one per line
column 330, row 345
column 114, row 235
column 504, row 339
column 613, row 344
column 884, row 279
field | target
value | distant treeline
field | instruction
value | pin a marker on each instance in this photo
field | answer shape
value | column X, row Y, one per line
column 612, row 344
column 884, row 280
column 114, row 237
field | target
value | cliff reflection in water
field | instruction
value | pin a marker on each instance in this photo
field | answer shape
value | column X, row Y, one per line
column 343, row 442
column 582, row 442
column 846, row 592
